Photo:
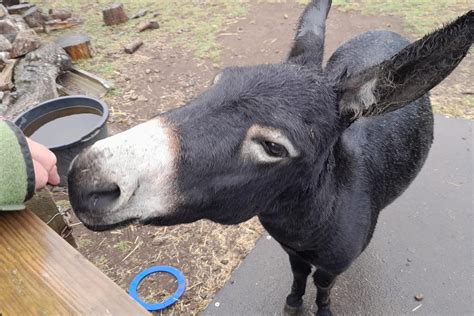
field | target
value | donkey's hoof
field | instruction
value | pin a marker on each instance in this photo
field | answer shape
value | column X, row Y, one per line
column 324, row 312
column 289, row 310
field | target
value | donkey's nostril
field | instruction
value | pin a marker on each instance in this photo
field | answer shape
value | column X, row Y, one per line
column 100, row 200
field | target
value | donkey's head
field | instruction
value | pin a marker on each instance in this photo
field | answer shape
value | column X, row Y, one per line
column 259, row 137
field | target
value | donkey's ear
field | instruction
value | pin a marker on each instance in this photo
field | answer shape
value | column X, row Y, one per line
column 409, row 74
column 308, row 46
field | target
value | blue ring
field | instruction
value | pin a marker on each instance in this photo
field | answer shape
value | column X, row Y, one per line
column 132, row 290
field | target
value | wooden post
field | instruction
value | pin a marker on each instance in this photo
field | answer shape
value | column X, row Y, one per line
column 42, row 204
column 77, row 46
column 114, row 14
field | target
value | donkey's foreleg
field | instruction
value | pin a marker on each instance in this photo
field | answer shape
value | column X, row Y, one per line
column 301, row 269
column 324, row 282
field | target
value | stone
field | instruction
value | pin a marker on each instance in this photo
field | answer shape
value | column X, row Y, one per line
column 25, row 42
column 3, row 11
column 60, row 14
column 5, row 45
column 33, row 17
column 139, row 14
column 8, row 26
column 419, row 297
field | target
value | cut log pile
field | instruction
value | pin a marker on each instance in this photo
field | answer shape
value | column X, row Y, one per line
column 28, row 66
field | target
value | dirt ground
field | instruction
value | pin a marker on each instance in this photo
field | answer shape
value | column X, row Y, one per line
column 159, row 77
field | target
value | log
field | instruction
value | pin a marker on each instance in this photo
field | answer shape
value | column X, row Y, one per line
column 114, row 14
column 149, row 25
column 25, row 42
column 54, row 25
column 10, row 2
column 77, row 46
column 33, row 17
column 35, row 77
column 132, row 47
column 20, row 8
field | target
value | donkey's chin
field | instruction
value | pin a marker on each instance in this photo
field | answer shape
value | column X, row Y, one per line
column 105, row 227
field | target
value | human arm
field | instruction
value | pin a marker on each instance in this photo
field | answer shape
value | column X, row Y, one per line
column 24, row 166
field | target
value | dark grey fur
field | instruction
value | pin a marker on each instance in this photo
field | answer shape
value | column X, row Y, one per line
column 321, row 206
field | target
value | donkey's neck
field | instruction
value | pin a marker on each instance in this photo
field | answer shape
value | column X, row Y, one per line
column 306, row 215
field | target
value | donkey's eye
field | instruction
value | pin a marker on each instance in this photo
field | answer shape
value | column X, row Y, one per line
column 275, row 150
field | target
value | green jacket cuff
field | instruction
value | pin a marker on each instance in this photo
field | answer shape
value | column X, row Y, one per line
column 17, row 177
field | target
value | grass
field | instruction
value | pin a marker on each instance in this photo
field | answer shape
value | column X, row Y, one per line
column 420, row 16
column 123, row 245
column 191, row 25
column 84, row 242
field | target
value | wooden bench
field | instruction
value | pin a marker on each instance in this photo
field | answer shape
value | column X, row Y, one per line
column 41, row 274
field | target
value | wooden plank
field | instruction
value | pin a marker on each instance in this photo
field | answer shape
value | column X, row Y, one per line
column 77, row 81
column 41, row 274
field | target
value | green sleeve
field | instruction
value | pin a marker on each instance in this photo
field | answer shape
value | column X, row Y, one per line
column 17, row 177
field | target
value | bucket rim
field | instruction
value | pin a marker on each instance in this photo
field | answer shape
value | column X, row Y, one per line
column 23, row 122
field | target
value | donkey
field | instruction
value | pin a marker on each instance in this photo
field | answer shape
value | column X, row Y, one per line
column 316, row 153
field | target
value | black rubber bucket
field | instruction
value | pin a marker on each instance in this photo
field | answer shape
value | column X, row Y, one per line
column 66, row 125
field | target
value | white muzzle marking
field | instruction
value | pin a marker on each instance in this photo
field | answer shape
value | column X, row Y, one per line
column 142, row 162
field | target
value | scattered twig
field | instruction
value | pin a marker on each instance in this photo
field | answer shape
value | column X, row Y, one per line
column 131, row 252
column 416, row 308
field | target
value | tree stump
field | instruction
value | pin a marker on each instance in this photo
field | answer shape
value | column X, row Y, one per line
column 115, row 14
column 76, row 46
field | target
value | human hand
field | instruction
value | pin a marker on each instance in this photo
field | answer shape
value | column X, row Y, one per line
column 44, row 163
